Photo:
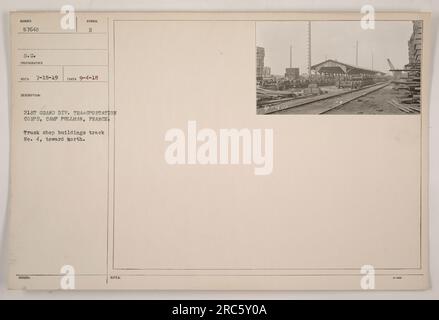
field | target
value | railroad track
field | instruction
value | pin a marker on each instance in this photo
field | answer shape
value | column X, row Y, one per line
column 322, row 104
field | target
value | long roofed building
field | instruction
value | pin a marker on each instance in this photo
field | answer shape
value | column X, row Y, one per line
column 333, row 67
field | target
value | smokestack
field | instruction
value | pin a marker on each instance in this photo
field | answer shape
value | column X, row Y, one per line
column 291, row 56
column 309, row 49
column 356, row 56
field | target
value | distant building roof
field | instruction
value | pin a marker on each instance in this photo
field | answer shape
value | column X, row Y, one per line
column 335, row 67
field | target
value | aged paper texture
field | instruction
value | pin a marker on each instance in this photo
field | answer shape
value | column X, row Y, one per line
column 219, row 151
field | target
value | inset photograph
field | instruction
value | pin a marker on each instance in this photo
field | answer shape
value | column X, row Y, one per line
column 337, row 67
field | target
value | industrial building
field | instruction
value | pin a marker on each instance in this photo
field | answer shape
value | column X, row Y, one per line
column 292, row 73
column 336, row 68
column 260, row 56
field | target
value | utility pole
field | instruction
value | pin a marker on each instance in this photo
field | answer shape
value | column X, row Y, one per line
column 291, row 56
column 309, row 49
column 356, row 55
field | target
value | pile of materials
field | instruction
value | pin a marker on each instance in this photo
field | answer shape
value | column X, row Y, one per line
column 409, row 88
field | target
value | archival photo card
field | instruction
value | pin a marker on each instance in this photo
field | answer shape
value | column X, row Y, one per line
column 138, row 161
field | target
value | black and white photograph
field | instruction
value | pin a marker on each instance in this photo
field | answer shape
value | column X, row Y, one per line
column 338, row 67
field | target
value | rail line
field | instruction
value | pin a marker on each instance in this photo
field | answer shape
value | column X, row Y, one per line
column 322, row 104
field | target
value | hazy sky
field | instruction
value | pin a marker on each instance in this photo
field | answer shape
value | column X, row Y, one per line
column 334, row 40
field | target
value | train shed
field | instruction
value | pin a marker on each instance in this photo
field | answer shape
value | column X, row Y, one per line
column 332, row 68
